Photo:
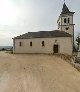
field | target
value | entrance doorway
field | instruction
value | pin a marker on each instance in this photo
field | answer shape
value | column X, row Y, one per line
column 56, row 49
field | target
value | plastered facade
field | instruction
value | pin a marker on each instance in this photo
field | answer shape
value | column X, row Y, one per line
column 64, row 45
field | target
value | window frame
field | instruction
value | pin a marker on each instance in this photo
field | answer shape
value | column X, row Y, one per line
column 58, row 25
column 65, row 20
column 30, row 43
column 68, row 20
column 43, row 43
column 20, row 44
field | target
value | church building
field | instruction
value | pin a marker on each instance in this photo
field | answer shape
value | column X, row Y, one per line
column 49, row 42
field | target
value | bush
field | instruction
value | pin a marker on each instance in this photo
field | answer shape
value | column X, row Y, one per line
column 3, row 49
column 77, row 60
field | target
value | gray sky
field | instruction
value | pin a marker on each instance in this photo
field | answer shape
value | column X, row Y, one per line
column 21, row 16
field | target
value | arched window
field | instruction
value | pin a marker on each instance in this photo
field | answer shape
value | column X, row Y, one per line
column 58, row 25
column 65, row 20
column 31, row 44
column 68, row 20
column 20, row 44
column 43, row 43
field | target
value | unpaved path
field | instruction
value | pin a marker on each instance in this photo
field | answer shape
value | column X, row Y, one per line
column 37, row 73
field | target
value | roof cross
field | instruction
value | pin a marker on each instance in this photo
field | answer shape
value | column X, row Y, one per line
column 64, row 1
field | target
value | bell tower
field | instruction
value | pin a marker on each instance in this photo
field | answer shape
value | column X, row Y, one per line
column 65, row 20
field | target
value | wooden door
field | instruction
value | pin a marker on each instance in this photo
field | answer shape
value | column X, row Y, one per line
column 55, row 48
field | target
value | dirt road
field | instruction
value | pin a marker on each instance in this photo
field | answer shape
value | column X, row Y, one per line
column 37, row 73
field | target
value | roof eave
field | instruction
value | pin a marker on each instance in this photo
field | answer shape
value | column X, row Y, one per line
column 41, row 37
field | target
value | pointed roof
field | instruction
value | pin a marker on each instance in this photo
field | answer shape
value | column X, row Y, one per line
column 65, row 10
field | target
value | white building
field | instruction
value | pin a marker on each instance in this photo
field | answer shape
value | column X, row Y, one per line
column 49, row 42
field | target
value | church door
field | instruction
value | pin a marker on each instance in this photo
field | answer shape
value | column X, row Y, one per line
column 55, row 49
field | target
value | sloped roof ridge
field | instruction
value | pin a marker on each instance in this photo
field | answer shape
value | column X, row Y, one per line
column 44, row 34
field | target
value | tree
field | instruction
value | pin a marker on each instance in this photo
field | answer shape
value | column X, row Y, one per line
column 78, row 41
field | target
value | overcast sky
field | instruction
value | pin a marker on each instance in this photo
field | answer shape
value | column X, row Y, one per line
column 21, row 16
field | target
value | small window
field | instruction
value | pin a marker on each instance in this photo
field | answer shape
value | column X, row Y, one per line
column 68, row 20
column 43, row 44
column 55, row 41
column 20, row 44
column 31, row 44
column 67, row 28
column 65, row 20
column 58, row 25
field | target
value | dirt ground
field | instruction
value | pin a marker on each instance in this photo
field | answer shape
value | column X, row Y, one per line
column 37, row 73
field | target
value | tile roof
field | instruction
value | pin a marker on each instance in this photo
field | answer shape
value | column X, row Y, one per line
column 44, row 34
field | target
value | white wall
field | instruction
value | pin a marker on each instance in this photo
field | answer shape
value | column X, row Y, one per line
column 69, row 25
column 65, row 45
column 67, row 16
column 70, row 30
